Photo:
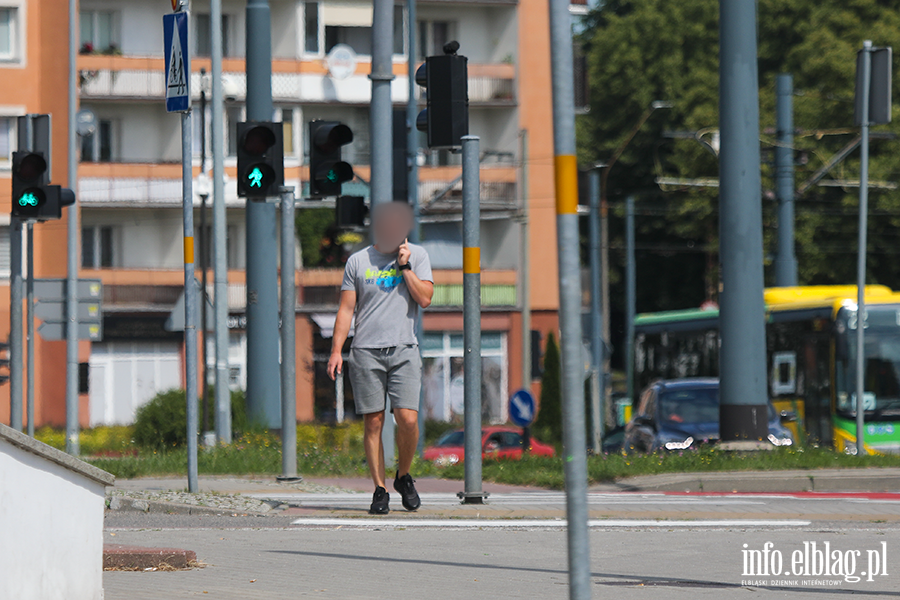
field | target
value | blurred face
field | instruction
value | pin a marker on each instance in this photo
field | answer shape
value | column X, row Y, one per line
column 391, row 224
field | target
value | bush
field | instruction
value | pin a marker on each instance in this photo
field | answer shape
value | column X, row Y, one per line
column 548, row 425
column 162, row 422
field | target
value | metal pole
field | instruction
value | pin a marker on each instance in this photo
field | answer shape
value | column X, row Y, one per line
column 742, row 355
column 630, row 295
column 597, row 348
column 73, row 231
column 569, row 265
column 861, row 250
column 524, row 266
column 382, row 122
column 288, row 340
column 339, row 399
column 220, row 248
column 190, row 301
column 412, row 183
column 471, row 218
column 15, row 325
column 29, row 319
column 263, row 382
column 785, row 261
column 204, row 255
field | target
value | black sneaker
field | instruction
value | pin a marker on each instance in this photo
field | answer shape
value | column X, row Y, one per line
column 405, row 486
column 380, row 500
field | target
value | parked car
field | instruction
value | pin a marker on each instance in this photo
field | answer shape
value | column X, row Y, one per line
column 682, row 414
column 496, row 442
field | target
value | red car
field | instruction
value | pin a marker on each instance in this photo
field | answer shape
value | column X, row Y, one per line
column 496, row 442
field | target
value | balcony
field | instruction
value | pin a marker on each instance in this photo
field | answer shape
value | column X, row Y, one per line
column 149, row 185
column 111, row 78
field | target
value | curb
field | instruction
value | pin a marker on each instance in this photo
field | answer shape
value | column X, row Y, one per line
column 863, row 480
column 136, row 558
column 118, row 503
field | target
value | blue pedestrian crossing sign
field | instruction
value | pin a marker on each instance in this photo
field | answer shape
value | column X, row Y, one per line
column 522, row 408
column 178, row 62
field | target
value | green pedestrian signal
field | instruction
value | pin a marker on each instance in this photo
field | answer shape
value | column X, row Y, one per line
column 255, row 178
column 327, row 170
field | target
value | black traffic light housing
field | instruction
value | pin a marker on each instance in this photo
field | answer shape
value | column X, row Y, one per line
column 446, row 115
column 350, row 212
column 327, row 171
column 260, row 154
column 32, row 198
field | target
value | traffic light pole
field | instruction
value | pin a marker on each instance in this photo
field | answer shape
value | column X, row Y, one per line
column 861, row 250
column 73, row 231
column 288, row 340
column 382, row 121
column 742, row 355
column 15, row 324
column 569, row 265
column 473, row 493
column 220, row 248
column 29, row 319
column 263, row 381
column 190, row 301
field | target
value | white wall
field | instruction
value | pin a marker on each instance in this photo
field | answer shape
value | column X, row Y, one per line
column 52, row 524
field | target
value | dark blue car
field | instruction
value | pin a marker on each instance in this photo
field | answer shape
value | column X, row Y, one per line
column 682, row 414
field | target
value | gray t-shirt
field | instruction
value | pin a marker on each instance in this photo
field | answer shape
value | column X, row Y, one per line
column 385, row 312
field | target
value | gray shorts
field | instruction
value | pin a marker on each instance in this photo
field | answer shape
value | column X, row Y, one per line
column 377, row 374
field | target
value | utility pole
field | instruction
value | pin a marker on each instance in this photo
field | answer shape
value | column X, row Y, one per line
column 263, row 382
column 73, row 231
column 204, row 253
column 220, row 249
column 785, row 261
column 569, row 264
column 866, row 76
column 597, row 346
column 473, row 493
column 630, row 296
column 381, row 118
column 288, row 341
column 412, row 182
column 742, row 356
column 524, row 263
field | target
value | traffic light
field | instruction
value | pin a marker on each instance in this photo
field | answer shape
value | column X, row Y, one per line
column 350, row 212
column 446, row 115
column 33, row 199
column 260, row 154
column 327, row 172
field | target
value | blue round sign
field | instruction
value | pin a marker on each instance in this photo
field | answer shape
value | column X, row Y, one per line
column 522, row 408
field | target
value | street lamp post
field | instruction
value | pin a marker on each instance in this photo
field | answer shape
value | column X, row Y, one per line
column 604, row 228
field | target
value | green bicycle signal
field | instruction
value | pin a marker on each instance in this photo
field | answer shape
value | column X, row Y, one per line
column 28, row 199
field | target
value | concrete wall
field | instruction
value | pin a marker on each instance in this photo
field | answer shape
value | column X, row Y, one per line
column 52, row 523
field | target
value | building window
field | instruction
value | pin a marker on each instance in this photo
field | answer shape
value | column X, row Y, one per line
column 100, row 145
column 347, row 23
column 432, row 37
column 203, row 37
column 7, row 138
column 97, row 247
column 287, row 120
column 233, row 116
column 5, row 261
column 442, row 378
column 99, row 33
column 311, row 28
column 9, row 39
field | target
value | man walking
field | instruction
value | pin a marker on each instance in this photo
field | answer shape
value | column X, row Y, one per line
column 383, row 284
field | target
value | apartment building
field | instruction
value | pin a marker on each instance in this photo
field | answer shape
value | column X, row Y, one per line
column 129, row 183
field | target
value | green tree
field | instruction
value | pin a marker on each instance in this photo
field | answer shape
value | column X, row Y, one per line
column 647, row 50
column 548, row 425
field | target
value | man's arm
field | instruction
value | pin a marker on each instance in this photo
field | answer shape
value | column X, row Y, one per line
column 421, row 291
column 341, row 330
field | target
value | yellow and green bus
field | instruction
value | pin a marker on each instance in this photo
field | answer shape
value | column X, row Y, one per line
column 811, row 356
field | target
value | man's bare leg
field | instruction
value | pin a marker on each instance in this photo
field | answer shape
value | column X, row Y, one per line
column 407, row 437
column 374, row 423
